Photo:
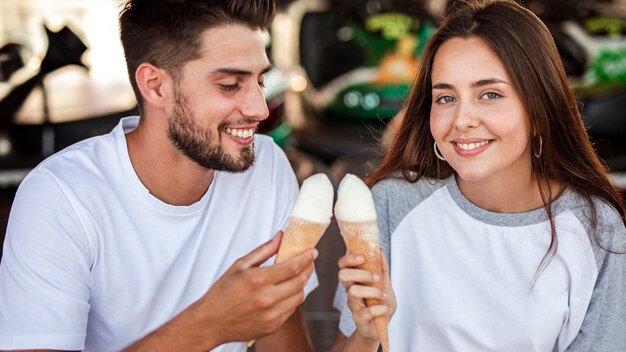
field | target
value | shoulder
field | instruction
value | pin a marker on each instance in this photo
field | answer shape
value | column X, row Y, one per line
column 402, row 191
column 395, row 198
column 72, row 161
column 264, row 146
column 84, row 154
column 83, row 166
column 268, row 154
column 599, row 218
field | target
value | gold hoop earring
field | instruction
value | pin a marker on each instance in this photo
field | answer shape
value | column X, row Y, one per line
column 538, row 154
column 439, row 156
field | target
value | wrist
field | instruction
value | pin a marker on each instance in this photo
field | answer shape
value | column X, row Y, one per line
column 357, row 342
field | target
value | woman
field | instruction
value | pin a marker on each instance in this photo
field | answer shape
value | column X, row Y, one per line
column 500, row 225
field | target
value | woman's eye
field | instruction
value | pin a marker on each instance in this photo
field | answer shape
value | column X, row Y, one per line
column 262, row 84
column 491, row 96
column 445, row 100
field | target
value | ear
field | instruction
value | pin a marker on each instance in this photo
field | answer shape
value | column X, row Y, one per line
column 153, row 83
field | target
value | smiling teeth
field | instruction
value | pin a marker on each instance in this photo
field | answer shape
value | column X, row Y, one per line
column 471, row 146
column 240, row 133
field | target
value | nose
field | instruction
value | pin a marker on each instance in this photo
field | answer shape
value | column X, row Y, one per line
column 466, row 116
column 254, row 104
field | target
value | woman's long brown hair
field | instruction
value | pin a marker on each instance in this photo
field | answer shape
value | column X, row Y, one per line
column 529, row 55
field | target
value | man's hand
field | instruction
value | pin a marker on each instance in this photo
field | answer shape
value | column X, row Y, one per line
column 251, row 301
column 247, row 302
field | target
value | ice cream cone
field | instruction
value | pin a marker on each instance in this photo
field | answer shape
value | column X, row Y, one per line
column 361, row 238
column 308, row 220
column 356, row 215
column 298, row 236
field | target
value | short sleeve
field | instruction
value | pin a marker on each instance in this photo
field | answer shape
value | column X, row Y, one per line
column 45, row 270
column 605, row 320
column 381, row 201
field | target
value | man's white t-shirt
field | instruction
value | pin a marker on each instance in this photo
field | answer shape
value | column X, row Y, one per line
column 93, row 261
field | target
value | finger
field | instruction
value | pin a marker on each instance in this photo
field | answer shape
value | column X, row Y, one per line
column 365, row 292
column 288, row 307
column 284, row 296
column 262, row 253
column 366, row 315
column 351, row 261
column 295, row 284
column 351, row 276
column 279, row 301
column 288, row 269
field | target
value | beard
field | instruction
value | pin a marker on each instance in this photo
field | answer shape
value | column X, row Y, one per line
column 198, row 143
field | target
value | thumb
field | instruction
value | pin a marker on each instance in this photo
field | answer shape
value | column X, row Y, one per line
column 262, row 253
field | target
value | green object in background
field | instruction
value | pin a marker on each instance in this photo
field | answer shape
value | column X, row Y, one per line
column 393, row 43
column 368, row 101
column 379, row 34
column 610, row 66
column 280, row 134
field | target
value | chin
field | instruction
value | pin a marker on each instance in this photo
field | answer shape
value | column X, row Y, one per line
column 471, row 175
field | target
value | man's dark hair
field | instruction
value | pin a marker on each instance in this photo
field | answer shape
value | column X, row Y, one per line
column 166, row 33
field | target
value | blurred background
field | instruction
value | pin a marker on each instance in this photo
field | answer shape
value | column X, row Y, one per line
column 342, row 70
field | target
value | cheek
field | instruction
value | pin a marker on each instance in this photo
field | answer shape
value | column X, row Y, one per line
column 514, row 129
column 215, row 113
column 439, row 125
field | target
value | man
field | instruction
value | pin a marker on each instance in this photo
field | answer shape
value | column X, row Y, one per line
column 131, row 240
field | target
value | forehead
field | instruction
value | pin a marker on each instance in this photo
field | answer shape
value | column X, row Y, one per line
column 233, row 46
column 467, row 59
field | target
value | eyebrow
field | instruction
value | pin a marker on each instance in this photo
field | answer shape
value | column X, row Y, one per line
column 481, row 83
column 238, row 72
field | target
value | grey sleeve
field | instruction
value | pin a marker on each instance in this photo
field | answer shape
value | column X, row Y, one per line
column 604, row 326
column 346, row 323
column 381, row 201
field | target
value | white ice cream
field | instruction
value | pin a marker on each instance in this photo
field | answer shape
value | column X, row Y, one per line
column 354, row 201
column 315, row 202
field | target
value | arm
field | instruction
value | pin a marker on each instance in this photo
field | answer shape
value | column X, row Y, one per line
column 357, row 284
column 44, row 275
column 291, row 337
column 354, row 344
column 603, row 325
column 247, row 302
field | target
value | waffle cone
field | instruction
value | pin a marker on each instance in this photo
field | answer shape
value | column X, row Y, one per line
column 298, row 236
column 361, row 238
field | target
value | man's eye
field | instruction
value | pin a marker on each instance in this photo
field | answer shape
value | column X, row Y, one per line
column 262, row 84
column 230, row 87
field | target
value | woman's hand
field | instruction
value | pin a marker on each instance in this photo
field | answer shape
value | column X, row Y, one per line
column 361, row 285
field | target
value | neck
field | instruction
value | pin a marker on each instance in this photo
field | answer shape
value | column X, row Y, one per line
column 504, row 195
column 167, row 174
